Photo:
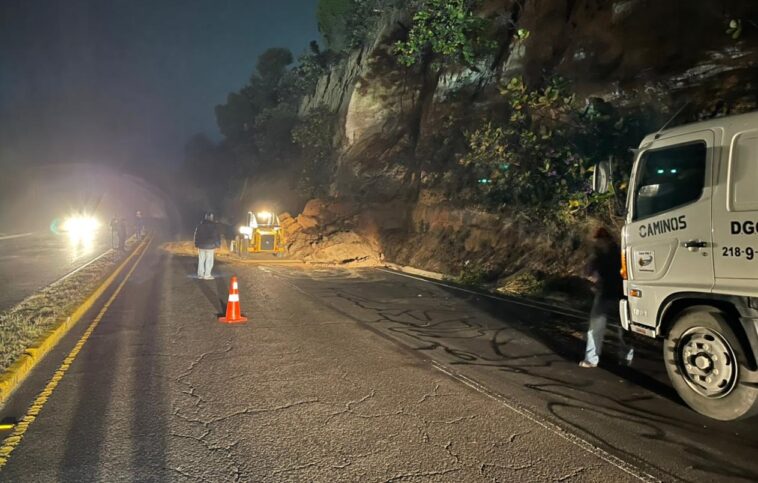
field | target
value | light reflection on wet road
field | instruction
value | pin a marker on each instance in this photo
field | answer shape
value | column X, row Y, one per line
column 28, row 263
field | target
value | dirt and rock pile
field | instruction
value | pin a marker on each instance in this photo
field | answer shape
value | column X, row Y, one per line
column 327, row 233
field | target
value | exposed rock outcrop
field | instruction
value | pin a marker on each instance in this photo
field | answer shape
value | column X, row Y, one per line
column 392, row 195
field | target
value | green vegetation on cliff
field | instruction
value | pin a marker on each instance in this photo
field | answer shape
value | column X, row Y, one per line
column 538, row 152
column 346, row 24
column 447, row 28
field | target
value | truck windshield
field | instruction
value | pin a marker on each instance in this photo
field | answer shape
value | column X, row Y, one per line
column 668, row 178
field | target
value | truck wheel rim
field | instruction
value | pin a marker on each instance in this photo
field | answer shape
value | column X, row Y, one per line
column 707, row 362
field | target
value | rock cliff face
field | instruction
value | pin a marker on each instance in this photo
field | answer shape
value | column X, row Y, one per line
column 391, row 191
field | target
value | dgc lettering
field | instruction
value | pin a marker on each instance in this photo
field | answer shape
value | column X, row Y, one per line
column 744, row 227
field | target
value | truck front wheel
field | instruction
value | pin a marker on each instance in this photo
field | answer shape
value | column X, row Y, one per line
column 707, row 366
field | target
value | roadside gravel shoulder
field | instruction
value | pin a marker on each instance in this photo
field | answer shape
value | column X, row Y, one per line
column 24, row 324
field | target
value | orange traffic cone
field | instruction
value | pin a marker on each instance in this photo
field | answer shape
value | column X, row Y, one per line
column 233, row 311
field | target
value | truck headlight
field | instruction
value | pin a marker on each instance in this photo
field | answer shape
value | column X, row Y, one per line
column 247, row 231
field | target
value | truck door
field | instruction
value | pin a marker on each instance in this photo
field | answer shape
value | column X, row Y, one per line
column 735, row 217
column 668, row 235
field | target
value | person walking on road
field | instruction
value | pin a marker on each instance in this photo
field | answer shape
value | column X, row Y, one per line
column 604, row 270
column 207, row 239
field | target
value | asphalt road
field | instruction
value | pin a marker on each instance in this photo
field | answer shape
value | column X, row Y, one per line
column 353, row 375
column 28, row 263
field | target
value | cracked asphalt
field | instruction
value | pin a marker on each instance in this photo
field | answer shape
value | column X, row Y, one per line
column 345, row 375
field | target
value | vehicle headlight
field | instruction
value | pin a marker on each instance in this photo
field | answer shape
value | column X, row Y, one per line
column 80, row 224
column 247, row 231
column 80, row 228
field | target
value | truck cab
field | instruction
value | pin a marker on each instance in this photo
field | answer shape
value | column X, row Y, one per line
column 690, row 260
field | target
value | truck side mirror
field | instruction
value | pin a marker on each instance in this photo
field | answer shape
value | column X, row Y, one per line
column 601, row 177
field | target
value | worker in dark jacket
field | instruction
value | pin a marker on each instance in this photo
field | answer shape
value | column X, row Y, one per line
column 604, row 270
column 207, row 239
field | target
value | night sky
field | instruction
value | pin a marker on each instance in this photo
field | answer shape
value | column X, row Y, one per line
column 129, row 81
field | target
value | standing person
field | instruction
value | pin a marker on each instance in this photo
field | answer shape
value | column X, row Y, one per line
column 207, row 239
column 139, row 225
column 114, row 233
column 122, row 234
column 604, row 270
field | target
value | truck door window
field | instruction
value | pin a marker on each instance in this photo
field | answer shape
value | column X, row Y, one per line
column 743, row 171
column 668, row 178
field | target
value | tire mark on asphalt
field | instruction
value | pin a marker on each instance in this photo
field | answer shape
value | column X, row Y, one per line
column 609, row 458
column 654, row 425
column 553, row 428
column 465, row 358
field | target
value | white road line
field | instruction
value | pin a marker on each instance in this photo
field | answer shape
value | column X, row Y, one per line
column 81, row 267
column 18, row 235
column 553, row 428
column 525, row 303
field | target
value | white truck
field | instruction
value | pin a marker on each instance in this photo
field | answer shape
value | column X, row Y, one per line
column 690, row 259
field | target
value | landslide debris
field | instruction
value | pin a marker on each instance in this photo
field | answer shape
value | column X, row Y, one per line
column 326, row 233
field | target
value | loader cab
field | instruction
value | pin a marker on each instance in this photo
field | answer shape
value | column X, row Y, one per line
column 263, row 219
column 261, row 233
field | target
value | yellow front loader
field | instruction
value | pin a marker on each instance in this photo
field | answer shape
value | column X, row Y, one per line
column 262, row 233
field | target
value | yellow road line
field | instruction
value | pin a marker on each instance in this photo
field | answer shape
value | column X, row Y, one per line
column 20, row 369
column 11, row 442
